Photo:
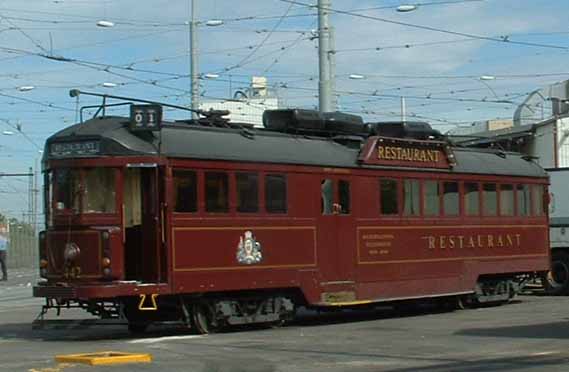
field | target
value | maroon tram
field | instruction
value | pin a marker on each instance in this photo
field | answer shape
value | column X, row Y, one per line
column 215, row 223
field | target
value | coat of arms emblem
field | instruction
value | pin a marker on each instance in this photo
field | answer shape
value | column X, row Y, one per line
column 249, row 249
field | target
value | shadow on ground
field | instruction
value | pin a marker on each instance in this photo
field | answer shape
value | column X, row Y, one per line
column 554, row 330
column 516, row 363
column 87, row 330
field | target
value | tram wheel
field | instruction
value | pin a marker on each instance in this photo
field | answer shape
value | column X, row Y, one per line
column 202, row 317
column 556, row 281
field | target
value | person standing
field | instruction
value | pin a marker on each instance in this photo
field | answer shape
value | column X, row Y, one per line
column 3, row 250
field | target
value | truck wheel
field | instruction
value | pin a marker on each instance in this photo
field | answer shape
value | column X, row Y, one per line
column 556, row 281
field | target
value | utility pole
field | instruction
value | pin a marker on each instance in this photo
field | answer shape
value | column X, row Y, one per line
column 324, row 52
column 195, row 94
column 332, row 59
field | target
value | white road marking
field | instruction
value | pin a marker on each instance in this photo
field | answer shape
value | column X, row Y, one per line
column 161, row 339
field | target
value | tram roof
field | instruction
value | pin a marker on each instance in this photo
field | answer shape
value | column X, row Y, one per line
column 182, row 140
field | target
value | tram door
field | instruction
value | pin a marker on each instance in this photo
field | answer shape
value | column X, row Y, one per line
column 336, row 230
column 144, row 251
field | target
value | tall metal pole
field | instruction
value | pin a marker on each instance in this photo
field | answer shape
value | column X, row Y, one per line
column 324, row 84
column 332, row 59
column 194, row 68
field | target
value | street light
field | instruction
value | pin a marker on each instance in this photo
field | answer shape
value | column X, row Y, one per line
column 214, row 22
column 484, row 79
column 109, row 85
column 406, row 8
column 105, row 24
column 211, row 76
column 26, row 88
column 8, row 133
column 356, row 77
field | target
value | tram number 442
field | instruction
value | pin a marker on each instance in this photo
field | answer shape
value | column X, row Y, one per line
column 145, row 117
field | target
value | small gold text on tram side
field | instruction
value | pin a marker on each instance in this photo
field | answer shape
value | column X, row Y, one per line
column 407, row 154
column 473, row 241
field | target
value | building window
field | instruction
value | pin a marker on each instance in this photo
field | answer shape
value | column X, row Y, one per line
column 537, row 197
column 411, row 192
column 275, row 193
column 490, row 200
column 451, row 201
column 506, row 200
column 185, row 191
column 524, row 200
column 472, row 198
column 247, row 192
column 344, row 196
column 216, row 192
column 431, row 198
column 388, row 196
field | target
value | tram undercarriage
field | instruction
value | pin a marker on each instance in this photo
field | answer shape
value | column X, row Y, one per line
column 210, row 313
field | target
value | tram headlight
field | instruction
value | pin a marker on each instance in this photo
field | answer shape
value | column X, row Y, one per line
column 106, row 262
column 71, row 252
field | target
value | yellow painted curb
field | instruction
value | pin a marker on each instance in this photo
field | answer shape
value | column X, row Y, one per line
column 104, row 358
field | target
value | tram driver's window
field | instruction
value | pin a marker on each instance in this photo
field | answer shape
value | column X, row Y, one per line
column 388, row 197
column 523, row 197
column 216, row 192
column 275, row 193
column 327, row 192
column 411, row 192
column 185, row 191
column 472, row 198
column 247, row 192
column 431, row 198
column 490, row 200
column 451, row 204
column 506, row 200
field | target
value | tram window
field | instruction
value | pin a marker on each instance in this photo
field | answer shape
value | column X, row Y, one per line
column 388, row 196
column 344, row 196
column 247, row 192
column 451, row 204
column 327, row 192
column 411, row 192
column 216, row 192
column 506, row 200
column 490, row 199
column 537, row 198
column 472, row 199
column 99, row 190
column 523, row 197
column 431, row 198
column 185, row 191
column 66, row 190
column 275, row 193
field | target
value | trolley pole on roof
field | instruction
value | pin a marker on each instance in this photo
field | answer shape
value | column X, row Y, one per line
column 324, row 53
column 195, row 94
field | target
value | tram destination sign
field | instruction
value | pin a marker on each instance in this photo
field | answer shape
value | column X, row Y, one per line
column 74, row 149
column 407, row 153
column 145, row 117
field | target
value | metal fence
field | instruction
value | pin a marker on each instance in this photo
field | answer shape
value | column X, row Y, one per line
column 22, row 248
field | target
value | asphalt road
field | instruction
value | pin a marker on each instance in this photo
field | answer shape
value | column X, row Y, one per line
column 531, row 334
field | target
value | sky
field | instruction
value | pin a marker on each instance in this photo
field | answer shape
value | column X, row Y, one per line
column 433, row 56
